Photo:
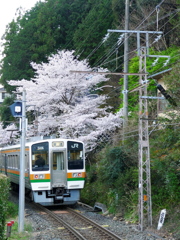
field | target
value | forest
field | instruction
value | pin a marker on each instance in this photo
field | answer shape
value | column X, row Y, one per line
column 43, row 45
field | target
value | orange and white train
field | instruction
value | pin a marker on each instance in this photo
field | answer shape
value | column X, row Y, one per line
column 60, row 177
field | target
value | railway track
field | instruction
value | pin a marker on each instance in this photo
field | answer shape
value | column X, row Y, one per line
column 74, row 225
column 46, row 226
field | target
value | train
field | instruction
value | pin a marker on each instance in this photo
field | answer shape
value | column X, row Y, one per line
column 54, row 169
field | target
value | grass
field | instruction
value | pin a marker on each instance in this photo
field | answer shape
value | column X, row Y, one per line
column 15, row 235
column 12, row 214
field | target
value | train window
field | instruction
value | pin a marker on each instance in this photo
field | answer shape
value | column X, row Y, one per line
column 26, row 162
column 40, row 156
column 58, row 161
column 8, row 161
column 16, row 161
column 75, row 155
column 12, row 161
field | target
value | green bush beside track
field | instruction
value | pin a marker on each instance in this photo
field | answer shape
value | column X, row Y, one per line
column 4, row 190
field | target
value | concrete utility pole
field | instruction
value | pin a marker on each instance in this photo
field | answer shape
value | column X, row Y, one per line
column 22, row 166
column 126, row 65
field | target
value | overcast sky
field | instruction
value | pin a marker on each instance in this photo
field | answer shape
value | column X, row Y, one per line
column 8, row 10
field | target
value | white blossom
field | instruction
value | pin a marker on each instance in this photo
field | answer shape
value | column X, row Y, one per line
column 8, row 134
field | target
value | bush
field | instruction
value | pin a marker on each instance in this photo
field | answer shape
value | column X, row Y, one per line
column 4, row 190
column 113, row 163
column 165, row 166
column 111, row 178
column 12, row 209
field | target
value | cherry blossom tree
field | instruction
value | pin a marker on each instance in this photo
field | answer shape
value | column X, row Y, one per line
column 67, row 102
column 8, row 134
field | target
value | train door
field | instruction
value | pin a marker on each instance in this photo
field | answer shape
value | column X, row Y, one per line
column 59, row 178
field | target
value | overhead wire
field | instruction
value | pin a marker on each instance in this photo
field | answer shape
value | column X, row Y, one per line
column 115, row 45
column 113, row 50
column 164, row 35
column 172, row 16
column 106, row 55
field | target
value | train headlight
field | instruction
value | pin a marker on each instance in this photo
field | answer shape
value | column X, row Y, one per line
column 39, row 176
column 75, row 175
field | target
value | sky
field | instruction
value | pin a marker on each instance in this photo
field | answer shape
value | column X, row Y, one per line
column 7, row 13
column 8, row 10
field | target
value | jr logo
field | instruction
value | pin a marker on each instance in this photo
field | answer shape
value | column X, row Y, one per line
column 75, row 145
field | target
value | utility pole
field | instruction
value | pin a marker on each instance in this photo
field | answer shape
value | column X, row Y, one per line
column 145, row 204
column 22, row 166
column 18, row 109
column 126, row 65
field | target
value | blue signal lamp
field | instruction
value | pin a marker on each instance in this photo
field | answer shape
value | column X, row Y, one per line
column 16, row 109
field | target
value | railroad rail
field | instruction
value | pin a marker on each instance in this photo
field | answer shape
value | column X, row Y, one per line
column 104, row 231
column 90, row 229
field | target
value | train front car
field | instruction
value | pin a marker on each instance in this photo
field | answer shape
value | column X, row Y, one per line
column 57, row 171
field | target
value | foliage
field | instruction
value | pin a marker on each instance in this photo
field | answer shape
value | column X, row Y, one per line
column 12, row 213
column 4, row 189
column 112, row 165
column 172, row 81
column 5, row 112
column 111, row 178
column 165, row 156
column 92, row 29
column 12, row 209
column 151, row 69
column 116, row 184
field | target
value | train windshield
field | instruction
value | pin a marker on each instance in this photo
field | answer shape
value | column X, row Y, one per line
column 40, row 159
column 75, row 155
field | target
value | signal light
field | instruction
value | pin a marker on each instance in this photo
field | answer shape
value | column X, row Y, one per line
column 166, row 95
column 16, row 109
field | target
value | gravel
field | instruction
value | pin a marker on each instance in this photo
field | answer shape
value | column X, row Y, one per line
column 43, row 228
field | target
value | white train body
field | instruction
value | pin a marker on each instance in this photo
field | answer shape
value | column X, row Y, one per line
column 58, row 180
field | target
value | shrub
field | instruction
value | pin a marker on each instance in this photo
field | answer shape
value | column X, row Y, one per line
column 165, row 166
column 4, row 190
column 112, row 165
column 12, row 209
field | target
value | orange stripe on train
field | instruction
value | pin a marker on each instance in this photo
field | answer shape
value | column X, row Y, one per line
column 46, row 176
